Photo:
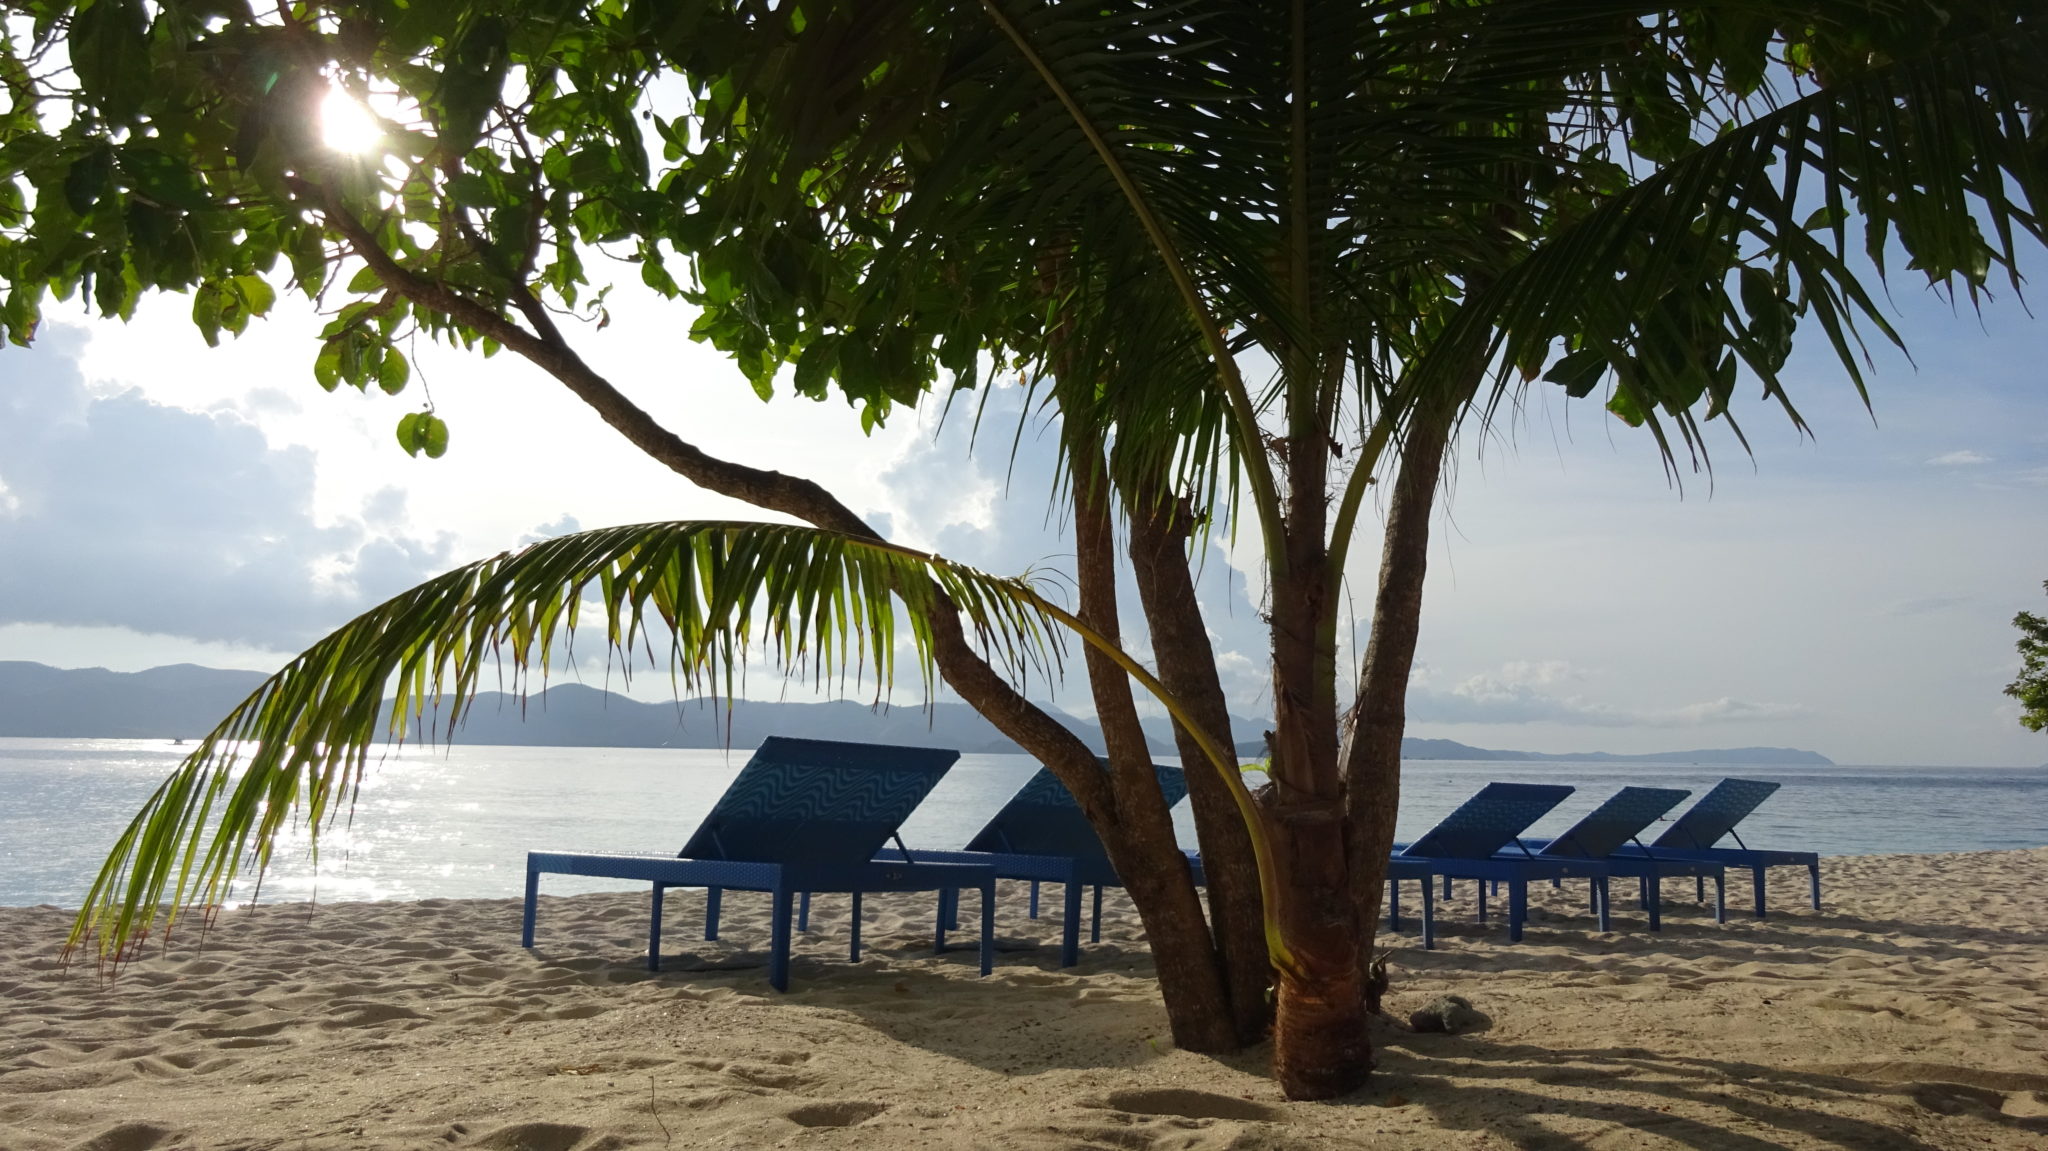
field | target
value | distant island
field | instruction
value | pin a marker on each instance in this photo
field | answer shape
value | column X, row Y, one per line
column 184, row 701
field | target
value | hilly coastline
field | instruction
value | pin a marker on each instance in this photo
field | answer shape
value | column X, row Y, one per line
column 184, row 701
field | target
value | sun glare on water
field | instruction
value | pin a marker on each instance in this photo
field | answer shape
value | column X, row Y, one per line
column 347, row 126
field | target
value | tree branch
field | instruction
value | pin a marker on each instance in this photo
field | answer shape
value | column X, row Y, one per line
column 963, row 668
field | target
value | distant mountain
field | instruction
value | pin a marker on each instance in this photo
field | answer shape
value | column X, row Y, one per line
column 573, row 715
column 179, row 701
column 184, row 701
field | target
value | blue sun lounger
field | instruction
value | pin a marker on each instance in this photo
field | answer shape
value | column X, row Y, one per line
column 1042, row 836
column 1694, row 834
column 1617, row 823
column 1471, row 843
column 803, row 815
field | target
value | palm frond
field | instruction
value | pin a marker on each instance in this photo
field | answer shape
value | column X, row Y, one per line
column 712, row 594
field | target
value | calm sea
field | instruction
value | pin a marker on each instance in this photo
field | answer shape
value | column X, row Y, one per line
column 457, row 823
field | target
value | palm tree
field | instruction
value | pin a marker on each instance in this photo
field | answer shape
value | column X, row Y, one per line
column 1411, row 211
column 1403, row 213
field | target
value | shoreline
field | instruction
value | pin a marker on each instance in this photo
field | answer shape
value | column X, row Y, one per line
column 1911, row 1012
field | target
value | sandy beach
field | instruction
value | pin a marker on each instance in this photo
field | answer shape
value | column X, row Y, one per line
column 1912, row 1012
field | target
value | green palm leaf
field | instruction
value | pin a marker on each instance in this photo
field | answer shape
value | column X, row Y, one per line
column 711, row 593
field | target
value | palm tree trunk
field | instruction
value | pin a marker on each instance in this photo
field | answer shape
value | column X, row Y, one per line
column 1139, row 834
column 1320, row 1045
column 1371, row 754
column 1160, row 528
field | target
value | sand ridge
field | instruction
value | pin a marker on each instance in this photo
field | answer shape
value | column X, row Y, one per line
column 1911, row 1013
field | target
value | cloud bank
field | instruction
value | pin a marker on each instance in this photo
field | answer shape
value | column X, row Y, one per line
column 1529, row 692
column 119, row 511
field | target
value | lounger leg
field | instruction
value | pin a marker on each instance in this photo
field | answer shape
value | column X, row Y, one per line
column 1447, row 887
column 1428, row 917
column 1070, row 927
column 1699, row 888
column 1394, row 903
column 939, row 922
column 1479, row 887
column 1759, row 873
column 1643, row 892
column 803, row 912
column 1095, row 924
column 1606, row 903
column 532, row 904
column 1655, row 903
column 1813, row 873
column 1593, row 895
column 853, row 949
column 952, row 909
column 988, row 927
column 1034, row 900
column 654, row 927
column 778, row 940
column 1518, row 907
column 713, row 896
column 1720, row 896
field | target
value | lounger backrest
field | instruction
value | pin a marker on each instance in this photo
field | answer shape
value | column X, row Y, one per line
column 818, row 801
column 1044, row 819
column 1489, row 821
column 1623, row 817
column 1716, row 814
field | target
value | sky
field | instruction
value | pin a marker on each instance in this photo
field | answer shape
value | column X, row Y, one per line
column 1849, row 592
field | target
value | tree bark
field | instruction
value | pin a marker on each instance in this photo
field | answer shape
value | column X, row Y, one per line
column 1140, row 840
column 1160, row 529
column 1320, row 1045
column 1371, row 753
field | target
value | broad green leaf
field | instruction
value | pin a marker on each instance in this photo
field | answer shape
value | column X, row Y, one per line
column 409, row 432
column 256, row 294
column 432, row 436
column 393, row 372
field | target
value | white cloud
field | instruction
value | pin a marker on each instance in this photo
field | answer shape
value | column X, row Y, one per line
column 1728, row 710
column 567, row 525
column 1959, row 459
column 131, row 514
column 1515, row 695
column 1538, row 673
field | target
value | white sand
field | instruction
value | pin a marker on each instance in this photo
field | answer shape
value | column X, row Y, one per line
column 1911, row 1013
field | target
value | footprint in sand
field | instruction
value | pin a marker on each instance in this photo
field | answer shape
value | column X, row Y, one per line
column 840, row 1113
column 535, row 1137
column 1187, row 1104
column 130, row 1136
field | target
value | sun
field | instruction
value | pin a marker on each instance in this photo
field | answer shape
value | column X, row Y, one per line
column 347, row 126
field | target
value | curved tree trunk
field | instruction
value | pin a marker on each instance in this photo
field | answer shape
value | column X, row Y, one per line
column 1160, row 528
column 1139, row 835
column 1373, row 727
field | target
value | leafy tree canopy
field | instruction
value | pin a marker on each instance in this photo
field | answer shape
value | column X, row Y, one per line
column 2030, row 687
column 854, row 199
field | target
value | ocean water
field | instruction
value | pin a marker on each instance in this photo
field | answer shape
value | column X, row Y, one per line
column 456, row 823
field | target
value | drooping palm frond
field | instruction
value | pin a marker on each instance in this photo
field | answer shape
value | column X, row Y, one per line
column 713, row 593
column 1668, row 285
